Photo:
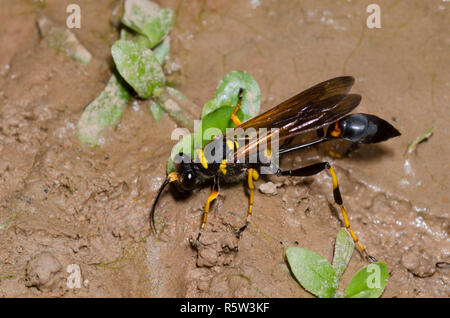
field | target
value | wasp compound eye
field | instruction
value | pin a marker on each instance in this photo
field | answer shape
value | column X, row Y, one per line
column 188, row 180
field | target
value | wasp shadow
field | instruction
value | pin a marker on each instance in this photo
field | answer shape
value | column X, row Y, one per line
column 364, row 152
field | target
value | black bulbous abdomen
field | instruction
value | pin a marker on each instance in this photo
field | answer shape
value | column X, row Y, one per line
column 365, row 128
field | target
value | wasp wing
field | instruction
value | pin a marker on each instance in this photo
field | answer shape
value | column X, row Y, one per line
column 305, row 102
column 312, row 109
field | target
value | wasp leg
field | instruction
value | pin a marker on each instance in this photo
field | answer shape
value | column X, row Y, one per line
column 214, row 193
column 234, row 116
column 252, row 175
column 332, row 154
column 315, row 169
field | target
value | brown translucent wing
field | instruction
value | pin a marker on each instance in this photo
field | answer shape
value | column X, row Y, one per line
column 311, row 117
column 306, row 101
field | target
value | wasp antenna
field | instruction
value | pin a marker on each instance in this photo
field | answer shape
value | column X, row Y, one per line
column 152, row 212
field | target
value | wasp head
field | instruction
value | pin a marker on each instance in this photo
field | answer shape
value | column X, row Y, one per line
column 184, row 178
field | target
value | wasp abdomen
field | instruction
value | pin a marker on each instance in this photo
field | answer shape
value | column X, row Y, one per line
column 363, row 128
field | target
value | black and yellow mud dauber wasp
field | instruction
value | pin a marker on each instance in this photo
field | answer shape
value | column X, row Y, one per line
column 237, row 155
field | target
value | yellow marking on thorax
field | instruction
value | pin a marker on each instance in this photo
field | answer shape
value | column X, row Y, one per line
column 223, row 166
column 268, row 153
column 202, row 158
column 230, row 144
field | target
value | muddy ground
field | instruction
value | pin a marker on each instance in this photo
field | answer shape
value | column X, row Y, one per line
column 62, row 203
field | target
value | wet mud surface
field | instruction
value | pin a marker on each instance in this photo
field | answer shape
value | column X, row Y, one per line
column 62, row 203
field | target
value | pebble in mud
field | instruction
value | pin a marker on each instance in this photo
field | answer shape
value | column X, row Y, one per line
column 42, row 272
column 420, row 265
column 268, row 188
column 216, row 249
column 207, row 257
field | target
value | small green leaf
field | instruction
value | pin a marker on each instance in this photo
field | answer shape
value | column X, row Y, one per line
column 312, row 271
column 147, row 18
column 157, row 110
column 139, row 67
column 104, row 111
column 162, row 50
column 214, row 124
column 227, row 94
column 63, row 40
column 177, row 106
column 126, row 34
column 142, row 39
column 426, row 135
column 369, row 282
column 343, row 251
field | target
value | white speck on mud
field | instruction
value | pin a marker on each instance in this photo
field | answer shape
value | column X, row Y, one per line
column 255, row 3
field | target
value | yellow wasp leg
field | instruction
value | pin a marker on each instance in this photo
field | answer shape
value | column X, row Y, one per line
column 330, row 152
column 253, row 175
column 212, row 196
column 336, row 132
column 338, row 200
column 234, row 116
column 315, row 169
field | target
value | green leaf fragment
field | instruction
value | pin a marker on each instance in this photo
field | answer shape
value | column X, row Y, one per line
column 157, row 110
column 227, row 94
column 142, row 39
column 176, row 105
column 312, row 271
column 147, row 18
column 343, row 251
column 139, row 67
column 214, row 124
column 103, row 112
column 369, row 282
column 179, row 96
column 8, row 222
column 63, row 40
column 126, row 34
column 162, row 50
column 427, row 134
